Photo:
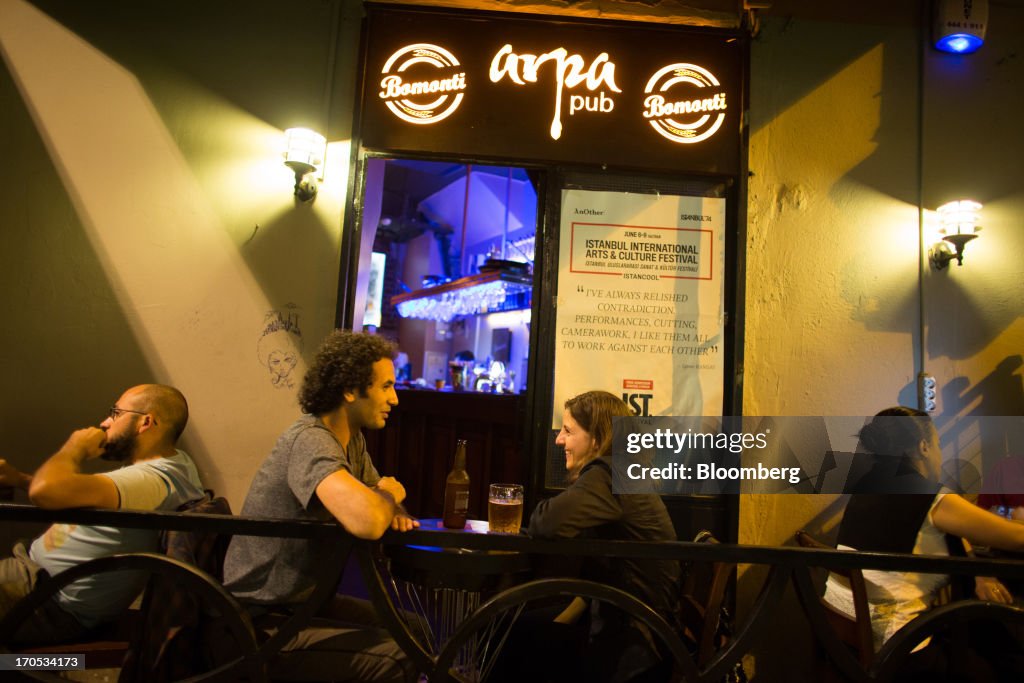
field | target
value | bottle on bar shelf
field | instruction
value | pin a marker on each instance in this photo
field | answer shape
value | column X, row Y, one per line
column 456, row 490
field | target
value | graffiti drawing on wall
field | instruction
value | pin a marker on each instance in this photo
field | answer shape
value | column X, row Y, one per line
column 280, row 345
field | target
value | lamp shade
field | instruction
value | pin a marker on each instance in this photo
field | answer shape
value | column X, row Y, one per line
column 304, row 148
column 959, row 217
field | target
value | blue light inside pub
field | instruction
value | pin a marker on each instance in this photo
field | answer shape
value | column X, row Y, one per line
column 959, row 43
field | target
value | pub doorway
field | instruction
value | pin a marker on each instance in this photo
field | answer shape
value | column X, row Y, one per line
column 579, row 111
column 445, row 265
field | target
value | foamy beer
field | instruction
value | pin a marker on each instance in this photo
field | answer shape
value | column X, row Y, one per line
column 505, row 508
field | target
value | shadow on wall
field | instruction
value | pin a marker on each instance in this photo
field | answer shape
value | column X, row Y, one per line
column 967, row 311
column 1000, row 390
column 265, row 57
column 880, row 195
column 975, row 440
column 799, row 47
column 67, row 347
column 973, row 146
column 68, row 350
column 225, row 77
column 972, row 443
column 127, row 258
column 845, row 92
column 965, row 317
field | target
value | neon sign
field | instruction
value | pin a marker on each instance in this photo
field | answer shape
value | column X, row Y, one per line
column 405, row 98
column 570, row 72
column 513, row 86
column 689, row 120
column 680, row 120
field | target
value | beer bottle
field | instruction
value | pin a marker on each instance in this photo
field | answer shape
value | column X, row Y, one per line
column 456, row 490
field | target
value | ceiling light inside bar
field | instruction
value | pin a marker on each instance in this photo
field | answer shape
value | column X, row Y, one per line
column 474, row 300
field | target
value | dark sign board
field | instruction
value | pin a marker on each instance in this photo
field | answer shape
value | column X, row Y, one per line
column 552, row 90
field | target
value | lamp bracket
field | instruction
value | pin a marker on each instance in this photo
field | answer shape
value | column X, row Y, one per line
column 942, row 253
column 305, row 181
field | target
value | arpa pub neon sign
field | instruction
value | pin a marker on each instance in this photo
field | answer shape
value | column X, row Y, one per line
column 683, row 102
column 570, row 71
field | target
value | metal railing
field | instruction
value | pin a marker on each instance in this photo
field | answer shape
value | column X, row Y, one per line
column 785, row 565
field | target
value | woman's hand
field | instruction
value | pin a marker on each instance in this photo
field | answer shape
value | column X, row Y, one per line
column 989, row 588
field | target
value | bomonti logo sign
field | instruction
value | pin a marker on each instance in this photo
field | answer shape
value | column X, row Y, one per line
column 422, row 83
column 685, row 103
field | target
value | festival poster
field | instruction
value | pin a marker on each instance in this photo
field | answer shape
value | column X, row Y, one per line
column 640, row 301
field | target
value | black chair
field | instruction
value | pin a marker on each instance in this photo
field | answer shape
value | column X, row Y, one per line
column 703, row 614
column 177, row 624
column 854, row 632
column 161, row 641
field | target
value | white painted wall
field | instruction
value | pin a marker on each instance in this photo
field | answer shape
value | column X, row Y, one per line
column 148, row 224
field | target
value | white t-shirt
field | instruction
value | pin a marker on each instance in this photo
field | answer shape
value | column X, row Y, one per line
column 894, row 598
column 158, row 484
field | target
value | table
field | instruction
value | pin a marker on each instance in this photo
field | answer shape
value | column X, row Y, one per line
column 444, row 586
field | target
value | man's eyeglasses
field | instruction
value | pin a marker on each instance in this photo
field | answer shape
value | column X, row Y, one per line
column 116, row 412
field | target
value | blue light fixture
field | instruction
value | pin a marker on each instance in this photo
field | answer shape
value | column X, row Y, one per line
column 959, row 43
column 960, row 25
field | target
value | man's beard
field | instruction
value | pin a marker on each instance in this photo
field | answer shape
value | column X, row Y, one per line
column 119, row 449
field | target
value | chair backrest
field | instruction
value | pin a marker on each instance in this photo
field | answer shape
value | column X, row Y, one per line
column 169, row 645
column 202, row 549
column 854, row 632
column 702, row 602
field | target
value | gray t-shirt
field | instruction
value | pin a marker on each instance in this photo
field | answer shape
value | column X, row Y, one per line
column 269, row 570
column 158, row 484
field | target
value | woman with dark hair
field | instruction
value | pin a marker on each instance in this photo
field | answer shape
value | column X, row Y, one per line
column 620, row 648
column 902, row 457
column 898, row 506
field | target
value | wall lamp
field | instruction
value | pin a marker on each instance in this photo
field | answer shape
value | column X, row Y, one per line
column 959, row 221
column 304, row 154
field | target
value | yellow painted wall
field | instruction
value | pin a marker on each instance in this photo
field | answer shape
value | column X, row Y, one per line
column 858, row 132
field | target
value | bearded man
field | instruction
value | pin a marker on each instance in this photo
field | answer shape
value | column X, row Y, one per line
column 141, row 432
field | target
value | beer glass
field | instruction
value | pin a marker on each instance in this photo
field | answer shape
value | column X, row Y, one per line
column 505, row 508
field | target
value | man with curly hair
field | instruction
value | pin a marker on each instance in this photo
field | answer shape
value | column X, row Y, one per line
column 319, row 470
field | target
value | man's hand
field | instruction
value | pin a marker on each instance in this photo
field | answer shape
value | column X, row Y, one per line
column 364, row 511
column 13, row 477
column 989, row 588
column 88, row 442
column 59, row 482
column 403, row 522
column 393, row 487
